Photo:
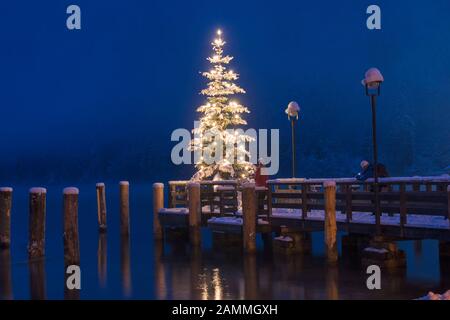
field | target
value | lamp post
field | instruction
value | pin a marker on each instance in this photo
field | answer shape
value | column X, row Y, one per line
column 372, row 83
column 292, row 111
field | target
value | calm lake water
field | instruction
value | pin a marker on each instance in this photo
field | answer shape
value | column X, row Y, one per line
column 137, row 268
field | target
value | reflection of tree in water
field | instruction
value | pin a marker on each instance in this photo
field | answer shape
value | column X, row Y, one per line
column 211, row 284
column 208, row 275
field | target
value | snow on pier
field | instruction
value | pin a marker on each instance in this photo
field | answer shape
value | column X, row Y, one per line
column 434, row 222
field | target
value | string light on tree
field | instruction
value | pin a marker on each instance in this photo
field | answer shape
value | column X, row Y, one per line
column 219, row 114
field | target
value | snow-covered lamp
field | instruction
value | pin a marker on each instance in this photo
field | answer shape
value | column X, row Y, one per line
column 292, row 110
column 372, row 80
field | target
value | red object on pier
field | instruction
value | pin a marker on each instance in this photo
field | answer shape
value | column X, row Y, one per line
column 260, row 179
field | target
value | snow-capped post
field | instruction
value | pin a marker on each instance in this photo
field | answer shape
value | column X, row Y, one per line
column 5, row 216
column 124, row 208
column 158, row 204
column 101, row 206
column 292, row 111
column 36, row 235
column 372, row 83
column 194, row 213
column 71, row 238
column 249, row 217
column 330, row 229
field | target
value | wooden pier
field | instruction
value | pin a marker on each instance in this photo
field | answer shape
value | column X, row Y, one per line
column 284, row 214
column 288, row 209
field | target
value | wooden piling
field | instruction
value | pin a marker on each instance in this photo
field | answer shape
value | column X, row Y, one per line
column 71, row 238
column 5, row 216
column 348, row 203
column 305, row 189
column 158, row 204
column 124, row 208
column 249, row 217
column 330, row 229
column 194, row 213
column 269, row 201
column 101, row 207
column 36, row 234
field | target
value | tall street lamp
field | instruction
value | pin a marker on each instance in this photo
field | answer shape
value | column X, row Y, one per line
column 372, row 82
column 292, row 111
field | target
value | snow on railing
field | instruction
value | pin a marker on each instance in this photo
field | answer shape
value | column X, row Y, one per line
column 416, row 179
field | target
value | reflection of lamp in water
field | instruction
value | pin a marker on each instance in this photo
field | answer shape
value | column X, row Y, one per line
column 217, row 285
column 203, row 287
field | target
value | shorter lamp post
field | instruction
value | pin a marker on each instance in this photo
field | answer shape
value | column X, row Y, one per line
column 292, row 111
column 372, row 83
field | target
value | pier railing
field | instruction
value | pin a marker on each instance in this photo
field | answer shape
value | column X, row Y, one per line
column 325, row 205
column 216, row 197
column 404, row 196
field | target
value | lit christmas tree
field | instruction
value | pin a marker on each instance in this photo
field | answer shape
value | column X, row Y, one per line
column 215, row 137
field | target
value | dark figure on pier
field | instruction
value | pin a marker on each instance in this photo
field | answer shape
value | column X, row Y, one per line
column 260, row 179
column 367, row 171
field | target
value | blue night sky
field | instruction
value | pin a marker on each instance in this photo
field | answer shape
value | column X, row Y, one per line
column 103, row 101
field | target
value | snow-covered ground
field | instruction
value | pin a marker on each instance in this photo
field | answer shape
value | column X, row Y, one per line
column 233, row 221
column 413, row 220
column 174, row 211
column 436, row 296
column 444, row 177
